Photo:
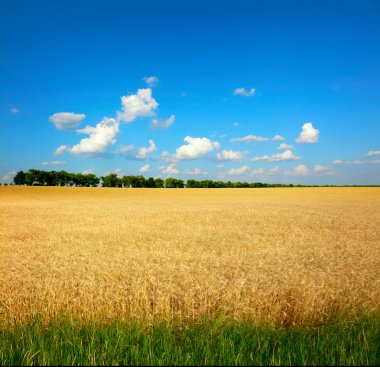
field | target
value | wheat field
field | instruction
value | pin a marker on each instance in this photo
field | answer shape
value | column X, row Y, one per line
column 289, row 256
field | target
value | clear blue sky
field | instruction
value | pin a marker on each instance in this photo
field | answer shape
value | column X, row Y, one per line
column 225, row 77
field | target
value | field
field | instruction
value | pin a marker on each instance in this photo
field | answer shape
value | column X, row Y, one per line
column 287, row 258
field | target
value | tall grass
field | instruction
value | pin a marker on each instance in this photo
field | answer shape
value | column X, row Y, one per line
column 217, row 342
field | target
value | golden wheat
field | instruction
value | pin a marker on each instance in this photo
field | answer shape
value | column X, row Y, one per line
column 281, row 255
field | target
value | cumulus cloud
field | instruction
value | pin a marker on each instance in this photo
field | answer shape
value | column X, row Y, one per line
column 278, row 138
column 372, row 153
column 88, row 171
column 325, row 170
column 287, row 155
column 376, row 161
column 144, row 151
column 125, row 148
column 250, row 139
column 151, row 81
column 67, row 120
column 356, row 161
column 284, row 146
column 14, row 110
column 118, row 171
column 141, row 104
column 308, row 134
column 100, row 138
column 229, row 155
column 238, row 171
column 145, row 168
column 244, row 92
column 300, row 170
column 196, row 148
column 163, row 124
column 258, row 172
column 195, row 171
column 319, row 168
column 59, row 151
column 9, row 176
column 261, row 172
column 165, row 155
column 171, row 169
column 274, row 170
column 54, row 163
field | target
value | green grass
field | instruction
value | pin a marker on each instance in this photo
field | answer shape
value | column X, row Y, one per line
column 216, row 342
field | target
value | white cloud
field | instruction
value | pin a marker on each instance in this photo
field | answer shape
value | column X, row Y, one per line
column 195, row 148
column 151, row 81
column 141, row 104
column 274, row 170
column 287, row 155
column 220, row 165
column 308, row 134
column 100, row 138
column 171, row 169
column 250, row 139
column 238, row 171
column 144, row 151
column 145, row 168
column 356, row 161
column 163, row 124
column 87, row 171
column 372, row 153
column 301, row 170
column 67, row 120
column 125, row 148
column 119, row 172
column 14, row 110
column 165, row 155
column 258, row 172
column 195, row 171
column 319, row 168
column 376, row 161
column 244, row 92
column 9, row 176
column 278, row 138
column 229, row 155
column 59, row 151
column 54, row 163
column 284, row 146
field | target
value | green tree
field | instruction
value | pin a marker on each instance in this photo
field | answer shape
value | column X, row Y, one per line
column 111, row 180
column 159, row 182
column 172, row 182
column 19, row 179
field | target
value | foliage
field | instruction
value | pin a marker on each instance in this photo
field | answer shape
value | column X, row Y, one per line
column 212, row 342
column 36, row 177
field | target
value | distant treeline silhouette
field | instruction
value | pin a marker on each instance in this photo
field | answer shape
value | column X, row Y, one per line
column 36, row 177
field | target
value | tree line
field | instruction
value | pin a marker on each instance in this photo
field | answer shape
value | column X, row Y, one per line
column 35, row 177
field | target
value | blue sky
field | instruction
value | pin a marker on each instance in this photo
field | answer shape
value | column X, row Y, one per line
column 271, row 91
